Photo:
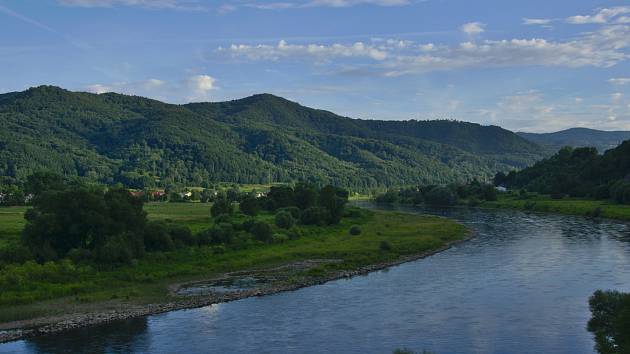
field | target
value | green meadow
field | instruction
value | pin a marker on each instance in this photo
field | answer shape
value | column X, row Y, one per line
column 570, row 206
column 33, row 290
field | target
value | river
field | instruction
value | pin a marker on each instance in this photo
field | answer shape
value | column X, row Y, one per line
column 520, row 286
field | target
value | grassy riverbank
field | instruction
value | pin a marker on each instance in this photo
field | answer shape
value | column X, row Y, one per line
column 569, row 206
column 63, row 287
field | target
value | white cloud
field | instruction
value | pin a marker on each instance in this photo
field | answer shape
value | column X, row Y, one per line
column 193, row 88
column 318, row 51
column 616, row 97
column 151, row 4
column 473, row 28
column 202, row 83
column 99, row 88
column 200, row 87
column 619, row 80
column 537, row 21
column 601, row 16
column 605, row 47
column 231, row 5
column 279, row 5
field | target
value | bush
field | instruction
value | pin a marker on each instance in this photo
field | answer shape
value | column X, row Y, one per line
column 314, row 216
column 221, row 205
column 250, row 206
column 441, row 196
column 279, row 238
column 157, row 238
column 261, row 231
column 355, row 230
column 610, row 321
column 181, row 236
column 284, row 220
column 221, row 233
column 218, row 250
column 295, row 233
column 247, row 224
column 78, row 255
column 204, row 238
column 294, row 211
column 15, row 253
column 385, row 246
column 594, row 213
column 115, row 251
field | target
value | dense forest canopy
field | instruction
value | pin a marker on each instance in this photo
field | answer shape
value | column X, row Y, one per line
column 580, row 172
column 110, row 138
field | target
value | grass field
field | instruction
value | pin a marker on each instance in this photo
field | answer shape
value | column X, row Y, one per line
column 32, row 290
column 571, row 206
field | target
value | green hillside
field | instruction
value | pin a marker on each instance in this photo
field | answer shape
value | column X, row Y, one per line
column 259, row 139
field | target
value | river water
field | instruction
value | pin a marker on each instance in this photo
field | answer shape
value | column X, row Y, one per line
column 521, row 286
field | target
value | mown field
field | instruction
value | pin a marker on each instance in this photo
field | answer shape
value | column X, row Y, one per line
column 33, row 290
column 570, row 206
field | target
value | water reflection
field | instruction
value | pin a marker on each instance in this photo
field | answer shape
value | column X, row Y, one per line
column 120, row 336
column 521, row 286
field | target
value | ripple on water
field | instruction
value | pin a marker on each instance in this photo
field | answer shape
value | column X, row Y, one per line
column 521, row 286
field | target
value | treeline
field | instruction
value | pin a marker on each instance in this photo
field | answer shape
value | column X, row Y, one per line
column 91, row 223
column 610, row 321
column 446, row 195
column 580, row 172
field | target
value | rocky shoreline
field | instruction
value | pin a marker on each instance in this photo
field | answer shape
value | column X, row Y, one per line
column 75, row 321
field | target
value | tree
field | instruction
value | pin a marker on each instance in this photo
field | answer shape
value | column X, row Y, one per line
column 250, row 205
column 261, row 231
column 610, row 321
column 305, row 195
column 40, row 182
column 280, row 197
column 441, row 196
column 83, row 218
column 333, row 200
column 284, row 220
column 221, row 206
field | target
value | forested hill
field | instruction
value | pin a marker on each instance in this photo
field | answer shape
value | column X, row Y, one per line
column 142, row 142
column 579, row 137
column 580, row 172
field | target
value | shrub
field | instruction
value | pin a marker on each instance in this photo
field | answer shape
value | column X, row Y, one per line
column 261, row 231
column 295, row 233
column 223, row 218
column 221, row 233
column 218, row 250
column 355, row 230
column 314, row 216
column 594, row 213
column 157, row 238
column 279, row 238
column 610, row 321
column 284, row 220
column 15, row 253
column 385, row 246
column 115, row 251
column 181, row 235
column 204, row 238
column 294, row 211
column 221, row 205
column 247, row 224
column 250, row 206
column 441, row 196
column 78, row 255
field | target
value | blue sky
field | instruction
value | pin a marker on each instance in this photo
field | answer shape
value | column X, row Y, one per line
column 525, row 65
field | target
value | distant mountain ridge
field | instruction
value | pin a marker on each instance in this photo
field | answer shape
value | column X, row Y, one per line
column 263, row 138
column 578, row 137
